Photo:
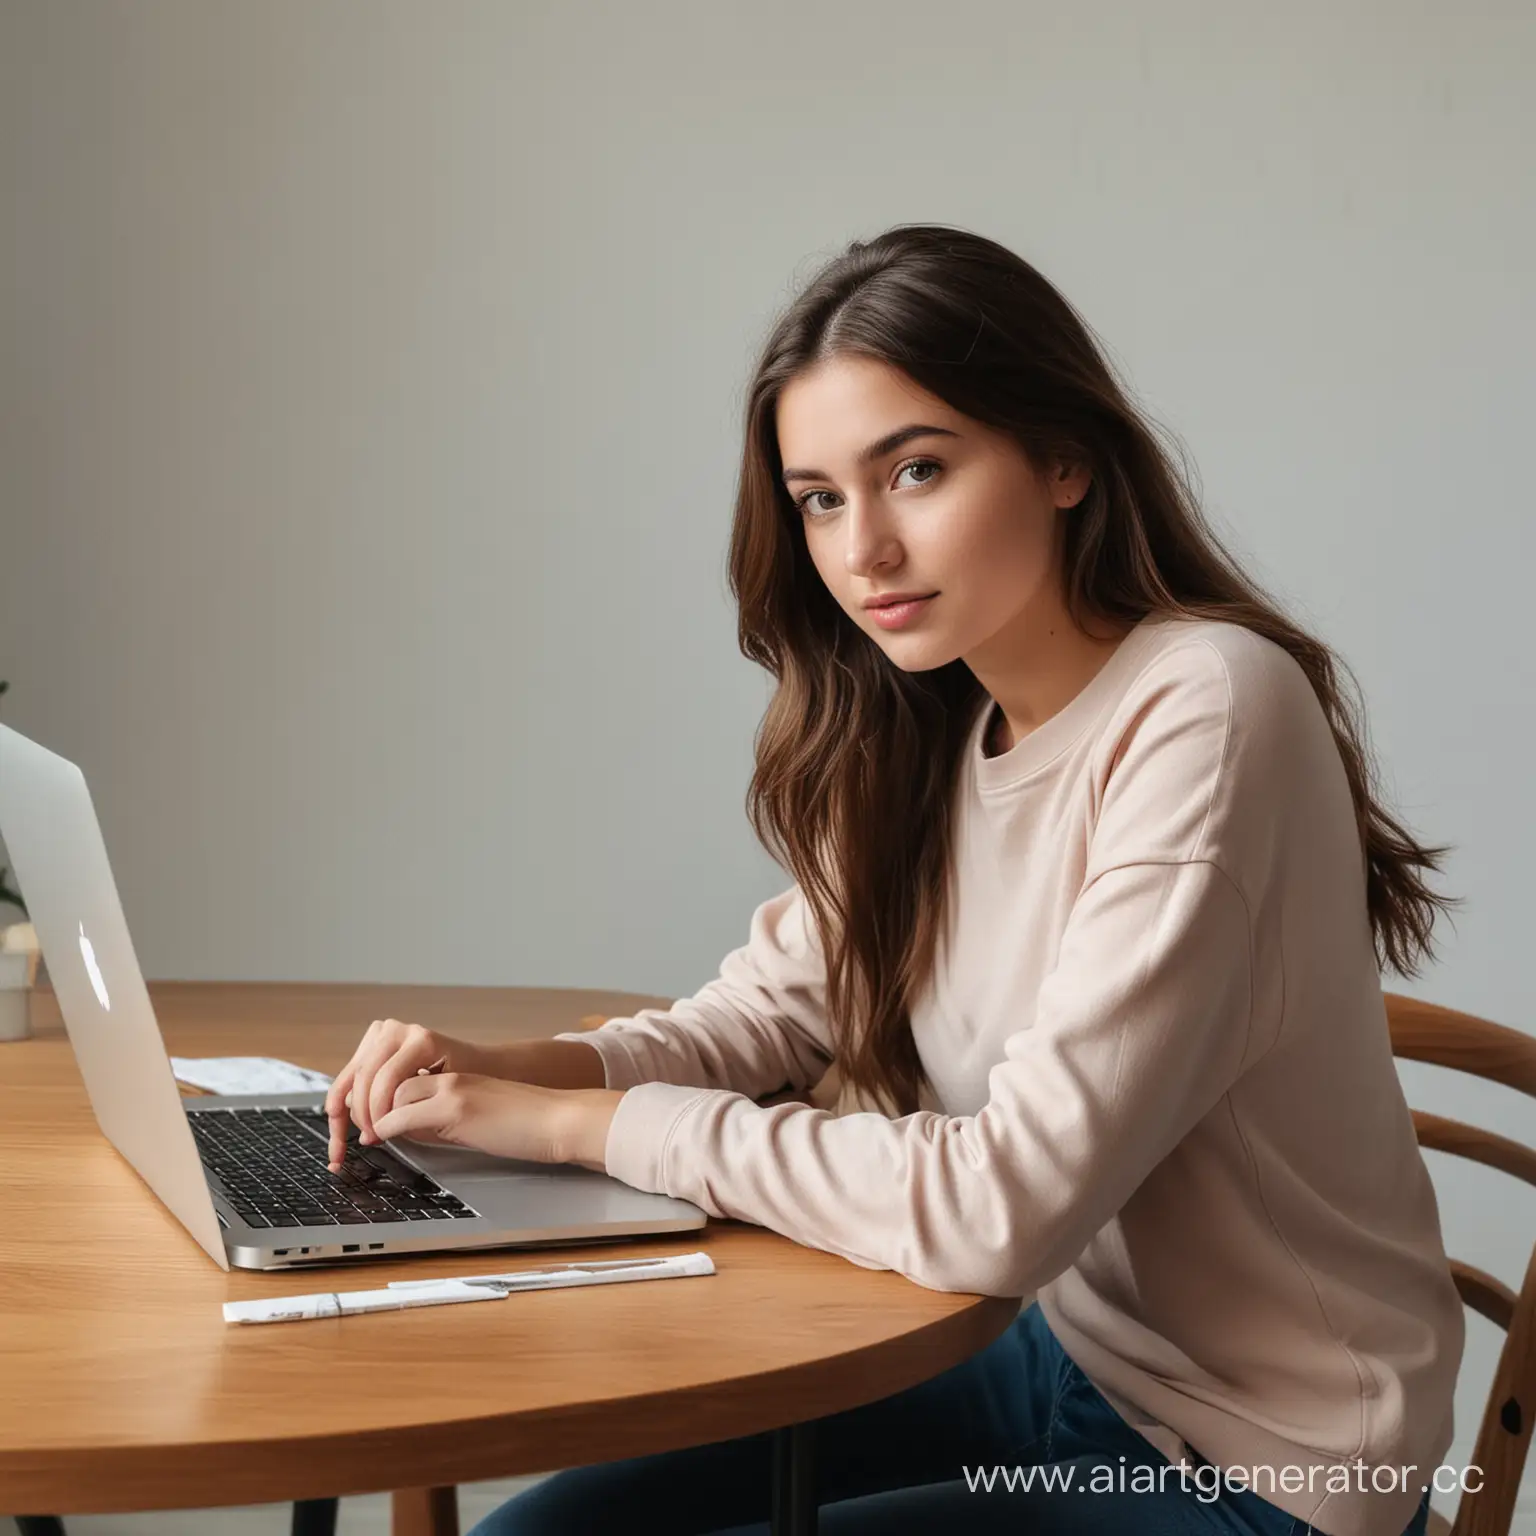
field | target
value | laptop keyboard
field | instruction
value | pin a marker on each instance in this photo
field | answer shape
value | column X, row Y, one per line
column 271, row 1166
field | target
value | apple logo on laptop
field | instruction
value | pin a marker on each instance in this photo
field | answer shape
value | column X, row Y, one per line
column 93, row 971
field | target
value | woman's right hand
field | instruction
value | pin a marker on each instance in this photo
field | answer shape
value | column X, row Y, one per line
column 389, row 1054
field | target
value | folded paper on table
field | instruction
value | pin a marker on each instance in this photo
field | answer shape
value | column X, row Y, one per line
column 247, row 1074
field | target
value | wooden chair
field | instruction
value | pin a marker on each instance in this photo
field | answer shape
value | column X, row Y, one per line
column 1427, row 1032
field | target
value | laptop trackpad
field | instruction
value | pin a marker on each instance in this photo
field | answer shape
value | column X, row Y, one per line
column 460, row 1163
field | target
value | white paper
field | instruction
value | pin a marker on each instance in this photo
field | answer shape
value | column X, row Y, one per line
column 247, row 1074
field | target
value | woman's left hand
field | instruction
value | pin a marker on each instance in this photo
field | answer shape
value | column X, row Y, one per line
column 506, row 1119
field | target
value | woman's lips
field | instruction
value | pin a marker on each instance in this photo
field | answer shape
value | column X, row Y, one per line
column 898, row 615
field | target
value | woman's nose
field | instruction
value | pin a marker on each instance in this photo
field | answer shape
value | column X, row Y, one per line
column 870, row 540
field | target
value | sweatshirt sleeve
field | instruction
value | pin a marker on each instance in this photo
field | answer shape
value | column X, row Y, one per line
column 1138, row 1031
column 758, row 1026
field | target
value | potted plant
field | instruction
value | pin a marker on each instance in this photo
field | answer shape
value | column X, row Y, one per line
column 18, row 959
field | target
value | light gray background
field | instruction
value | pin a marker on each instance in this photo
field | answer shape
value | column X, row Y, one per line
column 370, row 390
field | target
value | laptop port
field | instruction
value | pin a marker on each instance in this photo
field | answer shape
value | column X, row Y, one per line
column 351, row 1247
column 279, row 1250
column 372, row 1246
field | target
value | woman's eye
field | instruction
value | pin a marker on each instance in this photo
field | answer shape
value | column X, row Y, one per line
column 807, row 503
column 920, row 464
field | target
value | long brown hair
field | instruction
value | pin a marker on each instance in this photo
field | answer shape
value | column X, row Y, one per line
column 856, row 760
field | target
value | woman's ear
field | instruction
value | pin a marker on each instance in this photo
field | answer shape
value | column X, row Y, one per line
column 1069, row 480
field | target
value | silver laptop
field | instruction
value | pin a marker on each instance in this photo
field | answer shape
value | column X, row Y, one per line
column 247, row 1176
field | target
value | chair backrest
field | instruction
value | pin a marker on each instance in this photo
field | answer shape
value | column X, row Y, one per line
column 1426, row 1032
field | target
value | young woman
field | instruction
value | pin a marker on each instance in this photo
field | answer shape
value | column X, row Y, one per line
column 1092, row 898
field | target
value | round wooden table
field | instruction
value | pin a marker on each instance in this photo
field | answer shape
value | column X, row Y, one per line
column 124, row 1389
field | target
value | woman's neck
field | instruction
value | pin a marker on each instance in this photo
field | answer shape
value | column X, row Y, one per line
column 1041, row 679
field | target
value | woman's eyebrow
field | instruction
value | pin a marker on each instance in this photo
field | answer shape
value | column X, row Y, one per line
column 876, row 450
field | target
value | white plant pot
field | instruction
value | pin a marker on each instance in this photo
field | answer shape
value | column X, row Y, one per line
column 15, row 996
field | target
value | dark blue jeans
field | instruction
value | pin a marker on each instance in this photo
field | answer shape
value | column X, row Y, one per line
column 899, row 1466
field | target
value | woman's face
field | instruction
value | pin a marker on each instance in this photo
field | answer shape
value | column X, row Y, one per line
column 957, row 514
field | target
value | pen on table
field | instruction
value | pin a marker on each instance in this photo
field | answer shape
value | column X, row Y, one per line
column 401, row 1294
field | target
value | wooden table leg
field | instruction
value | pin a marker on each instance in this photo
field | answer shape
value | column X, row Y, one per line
column 313, row 1517
column 794, row 1482
column 424, row 1512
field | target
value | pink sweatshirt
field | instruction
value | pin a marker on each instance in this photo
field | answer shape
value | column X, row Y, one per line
column 1162, row 1090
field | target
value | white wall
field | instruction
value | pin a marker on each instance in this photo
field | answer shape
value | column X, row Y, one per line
column 370, row 383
